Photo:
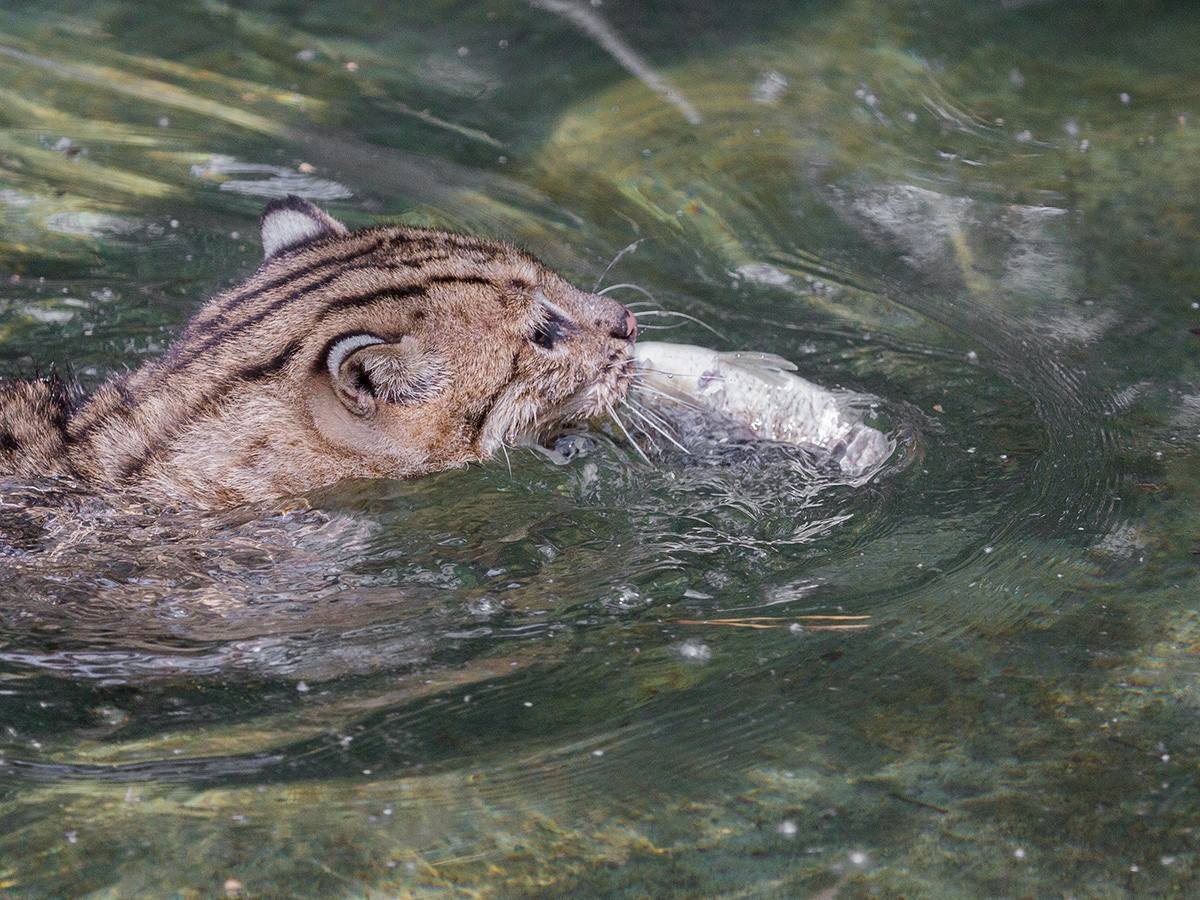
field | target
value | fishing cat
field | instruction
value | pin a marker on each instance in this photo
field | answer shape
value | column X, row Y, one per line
column 385, row 352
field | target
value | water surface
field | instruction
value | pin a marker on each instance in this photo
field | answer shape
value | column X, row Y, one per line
column 975, row 674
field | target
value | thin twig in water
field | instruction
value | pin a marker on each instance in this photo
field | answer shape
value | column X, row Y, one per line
column 742, row 623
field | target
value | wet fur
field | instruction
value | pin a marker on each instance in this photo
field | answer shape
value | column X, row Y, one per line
column 242, row 408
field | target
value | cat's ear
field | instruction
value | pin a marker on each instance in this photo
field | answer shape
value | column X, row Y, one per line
column 293, row 222
column 366, row 370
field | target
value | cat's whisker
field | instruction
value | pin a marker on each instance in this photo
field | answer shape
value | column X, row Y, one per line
column 642, row 453
column 656, row 427
column 504, row 448
column 616, row 259
column 680, row 315
column 647, row 411
column 633, row 287
column 666, row 396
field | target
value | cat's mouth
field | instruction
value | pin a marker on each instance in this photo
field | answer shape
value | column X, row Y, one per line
column 594, row 402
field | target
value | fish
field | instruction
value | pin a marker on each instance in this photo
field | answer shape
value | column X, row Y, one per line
column 763, row 393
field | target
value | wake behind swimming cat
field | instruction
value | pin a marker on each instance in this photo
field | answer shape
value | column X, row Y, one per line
column 386, row 352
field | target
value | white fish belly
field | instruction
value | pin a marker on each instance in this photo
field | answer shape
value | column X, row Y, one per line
column 761, row 391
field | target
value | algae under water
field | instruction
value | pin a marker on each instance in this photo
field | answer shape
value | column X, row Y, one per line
column 975, row 674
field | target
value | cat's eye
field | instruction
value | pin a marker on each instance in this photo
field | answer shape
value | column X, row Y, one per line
column 549, row 331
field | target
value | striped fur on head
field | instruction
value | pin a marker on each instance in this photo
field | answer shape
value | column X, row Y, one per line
column 390, row 351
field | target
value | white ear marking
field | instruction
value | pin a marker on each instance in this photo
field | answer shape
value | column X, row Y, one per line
column 293, row 221
column 343, row 348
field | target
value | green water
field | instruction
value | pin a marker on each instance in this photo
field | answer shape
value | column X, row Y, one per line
column 540, row 681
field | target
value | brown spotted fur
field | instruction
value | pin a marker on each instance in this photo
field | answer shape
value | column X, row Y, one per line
column 241, row 408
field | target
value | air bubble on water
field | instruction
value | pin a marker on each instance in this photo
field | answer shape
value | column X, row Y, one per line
column 859, row 858
column 597, row 753
column 625, row 598
column 235, row 235
column 1019, row 853
column 302, row 687
column 308, row 54
column 164, row 122
column 910, row 117
column 787, row 828
column 527, row 704
column 796, row 628
column 770, row 87
column 972, row 356
column 174, row 223
column 72, row 837
column 1025, row 136
column 484, row 607
column 1071, row 127
column 695, row 650
column 1124, row 98
column 989, row 549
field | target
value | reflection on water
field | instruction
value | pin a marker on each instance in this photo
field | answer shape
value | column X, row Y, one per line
column 719, row 672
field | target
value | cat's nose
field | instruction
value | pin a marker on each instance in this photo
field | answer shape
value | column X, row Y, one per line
column 627, row 329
